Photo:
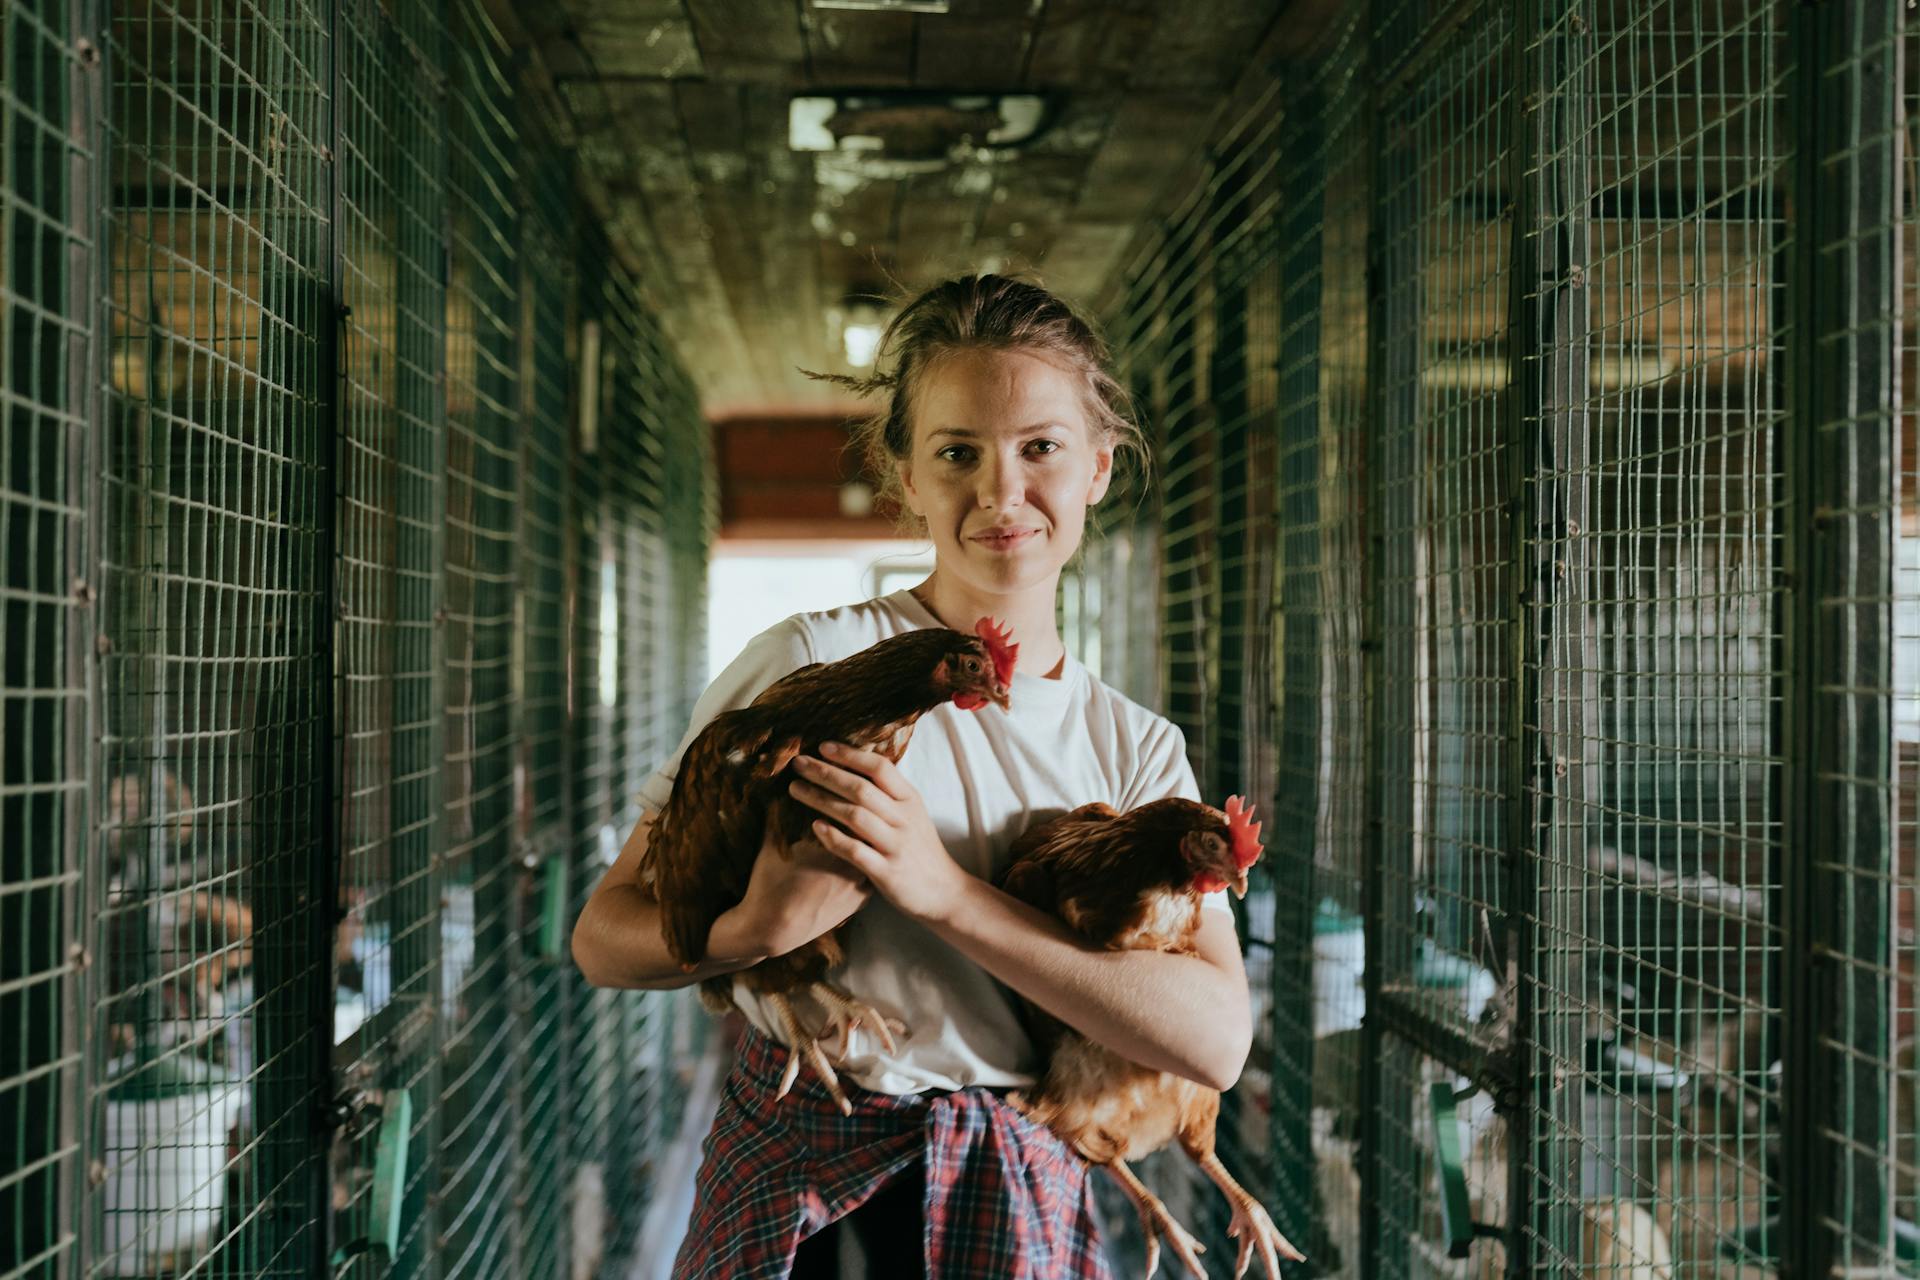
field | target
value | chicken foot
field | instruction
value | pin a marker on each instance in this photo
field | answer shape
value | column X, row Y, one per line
column 1155, row 1222
column 803, row 1044
column 844, row 1013
column 1252, row 1226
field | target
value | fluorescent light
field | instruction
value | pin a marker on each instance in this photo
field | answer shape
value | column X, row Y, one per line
column 1606, row 372
column 862, row 342
column 886, row 6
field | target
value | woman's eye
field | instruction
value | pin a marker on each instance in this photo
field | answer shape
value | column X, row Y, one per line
column 1045, row 446
column 954, row 453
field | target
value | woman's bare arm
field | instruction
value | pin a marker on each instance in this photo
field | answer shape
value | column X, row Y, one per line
column 790, row 901
column 1184, row 1014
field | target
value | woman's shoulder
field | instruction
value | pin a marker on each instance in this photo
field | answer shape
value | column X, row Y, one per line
column 842, row 631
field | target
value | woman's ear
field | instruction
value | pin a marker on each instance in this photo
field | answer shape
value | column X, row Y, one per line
column 903, row 468
column 1102, row 474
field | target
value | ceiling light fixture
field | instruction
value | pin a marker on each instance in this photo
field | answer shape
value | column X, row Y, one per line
column 886, row 6
column 914, row 125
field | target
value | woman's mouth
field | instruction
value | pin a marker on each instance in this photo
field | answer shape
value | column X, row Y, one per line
column 1004, row 539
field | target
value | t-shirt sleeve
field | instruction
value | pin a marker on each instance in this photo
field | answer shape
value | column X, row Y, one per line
column 776, row 652
column 1166, row 772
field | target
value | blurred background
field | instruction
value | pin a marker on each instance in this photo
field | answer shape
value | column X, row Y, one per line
column 404, row 414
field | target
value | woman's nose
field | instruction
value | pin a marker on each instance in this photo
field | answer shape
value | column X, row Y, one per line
column 1001, row 484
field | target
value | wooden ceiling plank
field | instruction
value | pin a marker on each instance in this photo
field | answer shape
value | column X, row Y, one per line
column 790, row 265
column 1030, row 207
column 1202, row 44
column 639, row 38
column 750, row 41
column 1090, row 44
column 978, row 44
column 656, row 179
column 859, row 49
column 713, row 121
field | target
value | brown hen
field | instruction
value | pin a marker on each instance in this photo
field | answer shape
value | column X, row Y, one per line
column 730, row 796
column 1133, row 881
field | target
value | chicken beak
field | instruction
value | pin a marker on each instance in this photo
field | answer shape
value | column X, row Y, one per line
column 1239, row 883
column 1001, row 697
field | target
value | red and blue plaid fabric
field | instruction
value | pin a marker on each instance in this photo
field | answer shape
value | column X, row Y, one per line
column 1006, row 1199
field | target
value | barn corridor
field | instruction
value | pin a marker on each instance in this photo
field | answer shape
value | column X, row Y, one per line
column 1533, row 533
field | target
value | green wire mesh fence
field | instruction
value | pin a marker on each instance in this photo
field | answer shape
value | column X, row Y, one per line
column 49, row 341
column 1533, row 387
column 329, row 669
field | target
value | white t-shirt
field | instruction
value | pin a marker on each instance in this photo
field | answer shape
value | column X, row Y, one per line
column 986, row 776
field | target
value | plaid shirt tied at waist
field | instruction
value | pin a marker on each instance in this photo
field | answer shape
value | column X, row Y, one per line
column 1006, row 1199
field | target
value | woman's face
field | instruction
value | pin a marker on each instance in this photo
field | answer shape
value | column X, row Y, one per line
column 1004, row 466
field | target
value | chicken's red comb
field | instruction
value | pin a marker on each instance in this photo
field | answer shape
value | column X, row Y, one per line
column 1244, row 831
column 999, row 646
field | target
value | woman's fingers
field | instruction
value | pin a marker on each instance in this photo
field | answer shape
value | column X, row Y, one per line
column 883, row 772
column 842, row 845
column 857, row 818
column 850, row 786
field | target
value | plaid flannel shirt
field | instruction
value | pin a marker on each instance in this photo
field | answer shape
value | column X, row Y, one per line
column 1006, row 1199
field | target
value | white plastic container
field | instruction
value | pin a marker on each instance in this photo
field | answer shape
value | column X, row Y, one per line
column 166, row 1158
column 1339, row 970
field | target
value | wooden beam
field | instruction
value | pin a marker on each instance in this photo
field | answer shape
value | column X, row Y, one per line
column 858, row 49
column 636, row 38
column 977, row 44
column 750, row 41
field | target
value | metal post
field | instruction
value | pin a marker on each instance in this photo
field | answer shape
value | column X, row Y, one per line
column 1393, row 301
column 1842, row 357
column 1550, row 656
column 85, row 360
column 1298, row 610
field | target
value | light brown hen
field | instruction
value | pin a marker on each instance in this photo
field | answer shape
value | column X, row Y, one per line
column 1133, row 881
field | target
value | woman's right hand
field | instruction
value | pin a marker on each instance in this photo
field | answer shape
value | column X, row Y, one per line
column 790, row 900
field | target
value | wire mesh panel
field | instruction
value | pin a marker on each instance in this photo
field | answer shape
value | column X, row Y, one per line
column 392, row 180
column 1443, row 681
column 209, row 1049
column 1185, row 442
column 48, row 343
column 1903, row 327
column 293, row 586
column 1246, row 262
column 596, row 1092
column 1657, row 613
column 541, row 823
column 642, row 504
column 1319, row 715
column 1119, row 602
column 480, row 1126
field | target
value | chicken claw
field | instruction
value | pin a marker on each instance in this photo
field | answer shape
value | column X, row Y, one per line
column 1252, row 1226
column 844, row 1013
column 1155, row 1222
column 802, row 1044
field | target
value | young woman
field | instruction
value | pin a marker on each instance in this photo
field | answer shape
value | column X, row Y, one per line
column 1001, row 429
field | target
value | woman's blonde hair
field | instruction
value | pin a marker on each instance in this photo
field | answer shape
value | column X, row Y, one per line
column 984, row 313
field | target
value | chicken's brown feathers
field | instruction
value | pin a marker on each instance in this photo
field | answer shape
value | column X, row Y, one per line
column 731, row 787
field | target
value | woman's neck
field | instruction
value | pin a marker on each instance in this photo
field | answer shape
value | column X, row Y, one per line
column 1029, row 613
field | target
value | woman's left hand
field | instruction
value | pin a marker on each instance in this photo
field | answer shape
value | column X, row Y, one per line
column 883, row 828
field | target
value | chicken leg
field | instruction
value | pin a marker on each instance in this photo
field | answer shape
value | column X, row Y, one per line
column 803, row 1044
column 1251, row 1225
column 1155, row 1222
column 844, row 1013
